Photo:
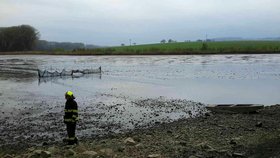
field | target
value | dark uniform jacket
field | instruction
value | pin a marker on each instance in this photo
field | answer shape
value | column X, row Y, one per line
column 71, row 111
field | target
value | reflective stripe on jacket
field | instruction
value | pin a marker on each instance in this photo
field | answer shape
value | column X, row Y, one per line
column 71, row 111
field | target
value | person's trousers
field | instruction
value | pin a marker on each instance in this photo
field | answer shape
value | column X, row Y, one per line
column 71, row 127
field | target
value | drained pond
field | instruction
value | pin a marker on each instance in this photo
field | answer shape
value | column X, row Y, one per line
column 131, row 92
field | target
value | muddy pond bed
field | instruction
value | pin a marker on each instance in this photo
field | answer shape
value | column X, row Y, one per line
column 133, row 92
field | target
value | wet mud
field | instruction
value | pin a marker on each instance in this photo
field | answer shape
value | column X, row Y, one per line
column 18, row 69
column 35, row 122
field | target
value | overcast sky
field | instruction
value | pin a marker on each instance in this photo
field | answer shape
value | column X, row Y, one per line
column 112, row 22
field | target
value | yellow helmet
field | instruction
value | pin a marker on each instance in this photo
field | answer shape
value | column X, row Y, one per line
column 69, row 93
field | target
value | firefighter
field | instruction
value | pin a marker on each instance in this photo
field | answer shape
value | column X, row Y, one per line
column 71, row 117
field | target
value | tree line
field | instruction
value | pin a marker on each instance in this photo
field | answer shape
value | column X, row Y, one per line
column 18, row 38
column 26, row 38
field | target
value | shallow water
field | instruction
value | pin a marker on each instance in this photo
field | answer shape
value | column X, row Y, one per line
column 132, row 91
column 207, row 79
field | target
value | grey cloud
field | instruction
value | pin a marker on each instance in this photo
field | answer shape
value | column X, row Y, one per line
column 110, row 22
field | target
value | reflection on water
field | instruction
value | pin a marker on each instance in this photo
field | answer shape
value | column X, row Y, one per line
column 208, row 79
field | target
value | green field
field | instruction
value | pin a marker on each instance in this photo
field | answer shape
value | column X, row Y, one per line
column 236, row 47
column 179, row 48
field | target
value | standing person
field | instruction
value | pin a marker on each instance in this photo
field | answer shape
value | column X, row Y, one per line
column 71, row 117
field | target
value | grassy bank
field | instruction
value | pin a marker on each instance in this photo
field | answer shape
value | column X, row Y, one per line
column 180, row 48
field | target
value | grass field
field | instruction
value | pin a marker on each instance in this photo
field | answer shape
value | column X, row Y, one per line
column 235, row 47
column 179, row 48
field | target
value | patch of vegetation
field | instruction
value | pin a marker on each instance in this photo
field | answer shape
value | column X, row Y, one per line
column 184, row 48
column 18, row 38
column 178, row 48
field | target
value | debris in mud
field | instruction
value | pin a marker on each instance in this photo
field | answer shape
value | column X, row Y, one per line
column 129, row 141
column 158, row 105
column 89, row 154
column 154, row 156
column 259, row 124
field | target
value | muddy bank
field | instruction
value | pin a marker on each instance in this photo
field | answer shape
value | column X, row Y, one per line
column 211, row 135
column 39, row 120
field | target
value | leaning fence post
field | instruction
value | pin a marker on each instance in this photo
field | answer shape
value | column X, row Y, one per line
column 38, row 73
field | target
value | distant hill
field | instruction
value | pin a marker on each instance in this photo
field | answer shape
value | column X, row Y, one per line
column 245, row 39
column 227, row 39
column 43, row 45
column 272, row 38
column 91, row 46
